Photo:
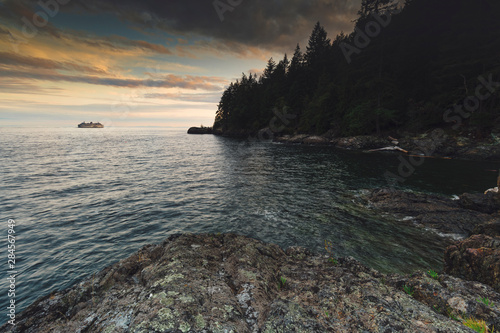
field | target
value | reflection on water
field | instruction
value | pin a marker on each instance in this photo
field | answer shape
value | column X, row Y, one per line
column 83, row 199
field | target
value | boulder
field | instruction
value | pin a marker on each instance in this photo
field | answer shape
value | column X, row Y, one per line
column 476, row 258
column 490, row 228
column 299, row 138
column 314, row 140
column 361, row 142
column 283, row 139
column 488, row 203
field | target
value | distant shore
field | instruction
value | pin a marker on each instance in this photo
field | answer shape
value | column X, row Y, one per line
column 200, row 130
column 432, row 144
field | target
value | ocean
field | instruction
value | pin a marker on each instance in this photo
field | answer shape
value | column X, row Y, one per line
column 82, row 199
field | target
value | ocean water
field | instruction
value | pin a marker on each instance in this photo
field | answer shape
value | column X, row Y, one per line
column 83, row 199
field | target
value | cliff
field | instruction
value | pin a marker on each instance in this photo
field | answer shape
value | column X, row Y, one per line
column 230, row 283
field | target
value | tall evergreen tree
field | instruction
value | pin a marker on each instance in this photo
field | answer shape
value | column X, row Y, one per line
column 318, row 47
column 405, row 79
column 375, row 6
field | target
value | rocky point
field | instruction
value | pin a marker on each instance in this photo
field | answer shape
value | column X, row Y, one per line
column 231, row 283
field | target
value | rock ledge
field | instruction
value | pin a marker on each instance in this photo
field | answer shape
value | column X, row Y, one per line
column 231, row 283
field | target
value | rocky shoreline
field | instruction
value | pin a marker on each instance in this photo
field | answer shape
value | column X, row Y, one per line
column 231, row 283
column 472, row 219
column 458, row 218
column 435, row 144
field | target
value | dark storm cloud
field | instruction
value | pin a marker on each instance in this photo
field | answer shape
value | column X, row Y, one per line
column 265, row 23
column 258, row 23
column 21, row 13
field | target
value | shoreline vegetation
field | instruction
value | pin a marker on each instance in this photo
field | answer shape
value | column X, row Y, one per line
column 420, row 145
column 200, row 130
column 434, row 86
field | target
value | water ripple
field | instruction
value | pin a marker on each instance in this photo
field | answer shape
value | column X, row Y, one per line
column 83, row 199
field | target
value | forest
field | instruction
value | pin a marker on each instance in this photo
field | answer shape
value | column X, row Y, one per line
column 405, row 68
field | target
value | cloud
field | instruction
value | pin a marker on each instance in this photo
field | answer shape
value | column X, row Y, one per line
column 22, row 14
column 12, row 59
column 119, row 42
column 167, row 81
column 221, row 49
column 17, row 86
column 256, row 72
column 205, row 98
column 18, row 20
column 268, row 24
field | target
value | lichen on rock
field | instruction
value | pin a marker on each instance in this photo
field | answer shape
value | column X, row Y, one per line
column 230, row 283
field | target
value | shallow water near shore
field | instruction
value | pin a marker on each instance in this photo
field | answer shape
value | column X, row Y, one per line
column 85, row 198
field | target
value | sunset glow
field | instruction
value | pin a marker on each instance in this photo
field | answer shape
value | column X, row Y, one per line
column 141, row 63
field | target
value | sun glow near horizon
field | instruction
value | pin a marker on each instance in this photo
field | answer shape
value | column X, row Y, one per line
column 135, row 63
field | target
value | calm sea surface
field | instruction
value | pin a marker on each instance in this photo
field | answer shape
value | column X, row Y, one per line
column 84, row 198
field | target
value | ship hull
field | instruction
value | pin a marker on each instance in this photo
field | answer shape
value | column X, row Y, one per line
column 91, row 125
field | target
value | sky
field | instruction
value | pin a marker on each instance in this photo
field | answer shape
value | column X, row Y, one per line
column 144, row 63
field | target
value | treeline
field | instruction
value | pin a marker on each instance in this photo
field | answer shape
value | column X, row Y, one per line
column 408, row 68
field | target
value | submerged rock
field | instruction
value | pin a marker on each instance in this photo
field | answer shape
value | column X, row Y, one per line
column 443, row 214
column 230, row 283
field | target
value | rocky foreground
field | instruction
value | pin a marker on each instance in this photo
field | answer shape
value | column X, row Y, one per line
column 473, row 219
column 231, row 283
